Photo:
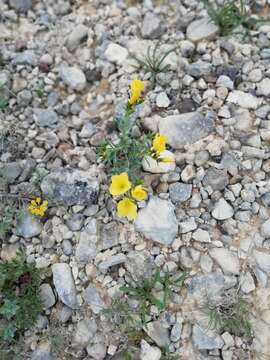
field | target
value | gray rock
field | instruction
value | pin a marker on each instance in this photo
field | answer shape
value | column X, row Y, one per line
column 149, row 352
column 201, row 236
column 222, row 210
column 162, row 100
column 252, row 152
column 151, row 27
column 225, row 81
column 21, row 5
column 27, row 57
column 93, row 298
column 75, row 222
column 47, row 296
column 88, row 130
column 112, row 261
column 205, row 339
column 116, row 54
column 42, row 352
column 77, row 36
column 245, row 100
column 140, row 264
column 217, row 179
column 45, row 117
column 109, row 236
column 5, row 81
column 228, row 262
column 157, row 221
column 158, row 333
column 86, row 249
column 64, row 284
column 10, row 171
column 185, row 129
column 73, row 77
column 85, row 332
column 187, row 225
column 65, row 314
column 70, row 187
column 67, row 247
column 180, row 192
column 263, row 260
column 98, row 350
column 263, row 88
column 211, row 284
column 199, row 68
column 176, row 332
column 247, row 283
column 28, row 226
column 265, row 229
column 202, row 29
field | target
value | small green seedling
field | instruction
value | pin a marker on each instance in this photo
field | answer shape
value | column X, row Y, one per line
column 153, row 61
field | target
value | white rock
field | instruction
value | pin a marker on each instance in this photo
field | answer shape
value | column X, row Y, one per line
column 263, row 88
column 201, row 236
column 162, row 100
column 263, row 260
column 203, row 29
column 247, row 283
column 157, row 221
column 225, row 81
column 226, row 260
column 153, row 166
column 149, row 352
column 116, row 53
column 245, row 100
column 73, row 77
column 222, row 210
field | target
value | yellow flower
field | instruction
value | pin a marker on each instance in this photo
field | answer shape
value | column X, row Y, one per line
column 159, row 143
column 136, row 87
column 38, row 208
column 139, row 193
column 120, row 184
column 126, row 207
column 167, row 159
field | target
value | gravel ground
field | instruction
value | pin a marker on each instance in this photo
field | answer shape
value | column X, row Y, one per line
column 65, row 71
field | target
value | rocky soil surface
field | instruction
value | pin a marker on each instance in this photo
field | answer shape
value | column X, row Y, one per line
column 65, row 66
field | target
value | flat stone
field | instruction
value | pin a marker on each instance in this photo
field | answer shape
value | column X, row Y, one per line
column 247, row 283
column 88, row 130
column 199, row 68
column 73, row 77
column 140, row 264
column 77, row 36
column 92, row 297
column 185, row 129
column 158, row 333
column 201, row 236
column 263, row 88
column 64, row 284
column 151, row 26
column 222, row 210
column 109, row 236
column 202, row 29
column 86, row 249
column 75, row 222
column 228, row 262
column 162, row 100
column 265, row 229
column 28, row 226
column 263, row 260
column 47, row 296
column 211, row 284
column 225, row 81
column 70, row 187
column 45, row 117
column 157, row 221
column 205, row 339
column 180, row 192
column 116, row 53
column 85, row 331
column 149, row 352
column 217, row 179
column 21, row 5
column 27, row 57
column 10, row 171
column 187, row 225
column 243, row 120
column 112, row 261
column 245, row 100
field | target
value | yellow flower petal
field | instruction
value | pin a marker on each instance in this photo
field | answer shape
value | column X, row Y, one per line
column 127, row 208
column 139, row 193
column 136, row 87
column 38, row 199
column 120, row 184
column 159, row 143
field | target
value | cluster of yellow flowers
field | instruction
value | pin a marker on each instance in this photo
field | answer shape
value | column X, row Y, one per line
column 38, row 207
column 121, row 185
column 159, row 145
column 136, row 89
